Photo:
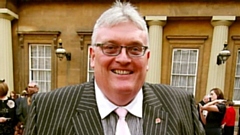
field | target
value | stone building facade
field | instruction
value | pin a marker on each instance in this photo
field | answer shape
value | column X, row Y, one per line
column 198, row 27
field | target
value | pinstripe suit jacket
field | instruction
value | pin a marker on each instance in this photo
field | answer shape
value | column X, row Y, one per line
column 72, row 110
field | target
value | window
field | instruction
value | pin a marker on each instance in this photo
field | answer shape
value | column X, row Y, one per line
column 40, row 66
column 236, row 92
column 37, row 59
column 184, row 69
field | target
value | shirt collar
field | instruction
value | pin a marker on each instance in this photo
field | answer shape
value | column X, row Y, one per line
column 105, row 107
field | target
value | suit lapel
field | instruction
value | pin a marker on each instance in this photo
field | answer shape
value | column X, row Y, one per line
column 86, row 120
column 155, row 119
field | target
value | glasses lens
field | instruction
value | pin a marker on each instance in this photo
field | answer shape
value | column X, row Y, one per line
column 111, row 49
column 135, row 50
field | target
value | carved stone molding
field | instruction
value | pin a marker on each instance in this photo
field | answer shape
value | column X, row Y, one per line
column 22, row 35
column 82, row 34
column 186, row 38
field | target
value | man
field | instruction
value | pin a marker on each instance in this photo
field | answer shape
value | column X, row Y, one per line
column 24, row 105
column 119, row 56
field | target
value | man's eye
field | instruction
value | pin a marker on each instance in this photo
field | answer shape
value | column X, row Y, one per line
column 110, row 47
column 136, row 48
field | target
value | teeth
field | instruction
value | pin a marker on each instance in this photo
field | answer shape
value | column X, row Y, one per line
column 122, row 72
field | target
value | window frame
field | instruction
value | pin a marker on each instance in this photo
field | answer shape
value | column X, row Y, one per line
column 186, row 42
column 185, row 75
column 27, row 38
column 39, row 69
column 231, row 77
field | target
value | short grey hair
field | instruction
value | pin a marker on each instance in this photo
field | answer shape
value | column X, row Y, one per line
column 118, row 13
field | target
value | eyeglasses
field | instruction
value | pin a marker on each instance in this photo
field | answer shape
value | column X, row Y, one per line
column 114, row 50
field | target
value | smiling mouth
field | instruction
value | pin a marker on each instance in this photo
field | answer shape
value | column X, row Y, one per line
column 122, row 72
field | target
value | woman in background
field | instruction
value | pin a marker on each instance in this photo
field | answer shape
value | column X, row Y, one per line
column 8, row 117
column 216, row 110
column 228, row 122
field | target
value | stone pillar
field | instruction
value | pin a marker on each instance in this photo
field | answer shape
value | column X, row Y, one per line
column 6, row 55
column 216, row 73
column 156, row 24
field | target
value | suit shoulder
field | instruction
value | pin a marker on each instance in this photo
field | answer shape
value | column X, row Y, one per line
column 63, row 92
column 171, row 90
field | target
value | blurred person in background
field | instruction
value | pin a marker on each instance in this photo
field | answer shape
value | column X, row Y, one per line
column 228, row 122
column 15, row 97
column 216, row 111
column 205, row 100
column 23, row 108
column 8, row 118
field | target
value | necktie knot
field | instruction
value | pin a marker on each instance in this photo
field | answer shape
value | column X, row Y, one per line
column 122, row 127
column 121, row 112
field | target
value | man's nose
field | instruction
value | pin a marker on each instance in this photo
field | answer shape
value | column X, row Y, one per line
column 123, row 56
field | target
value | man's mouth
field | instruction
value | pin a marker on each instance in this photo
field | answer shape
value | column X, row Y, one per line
column 122, row 72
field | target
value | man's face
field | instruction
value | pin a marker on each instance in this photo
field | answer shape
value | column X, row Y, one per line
column 32, row 90
column 120, row 77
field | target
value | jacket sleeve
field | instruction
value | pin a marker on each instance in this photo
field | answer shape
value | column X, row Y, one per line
column 198, row 127
column 30, row 128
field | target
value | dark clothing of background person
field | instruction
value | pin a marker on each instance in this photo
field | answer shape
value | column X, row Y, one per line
column 214, row 120
column 22, row 110
column 8, row 110
column 202, row 103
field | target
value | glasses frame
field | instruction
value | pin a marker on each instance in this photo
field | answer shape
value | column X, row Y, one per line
column 101, row 46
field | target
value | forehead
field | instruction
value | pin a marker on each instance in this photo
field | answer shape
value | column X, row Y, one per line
column 212, row 92
column 123, row 32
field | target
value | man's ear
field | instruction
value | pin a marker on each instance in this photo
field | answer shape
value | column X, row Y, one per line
column 148, row 56
column 92, row 56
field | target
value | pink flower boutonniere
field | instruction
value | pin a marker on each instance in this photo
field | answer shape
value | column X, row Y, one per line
column 10, row 104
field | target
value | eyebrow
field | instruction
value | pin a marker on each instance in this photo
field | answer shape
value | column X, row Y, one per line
column 129, row 43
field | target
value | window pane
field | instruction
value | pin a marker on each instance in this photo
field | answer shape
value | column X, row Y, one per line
column 41, row 63
column 185, row 56
column 191, row 81
column 41, row 51
column 193, row 56
column 176, row 68
column 47, row 51
column 47, row 63
column 34, row 51
column 184, row 67
column 175, row 80
column 34, row 63
column 177, row 55
column 192, row 68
